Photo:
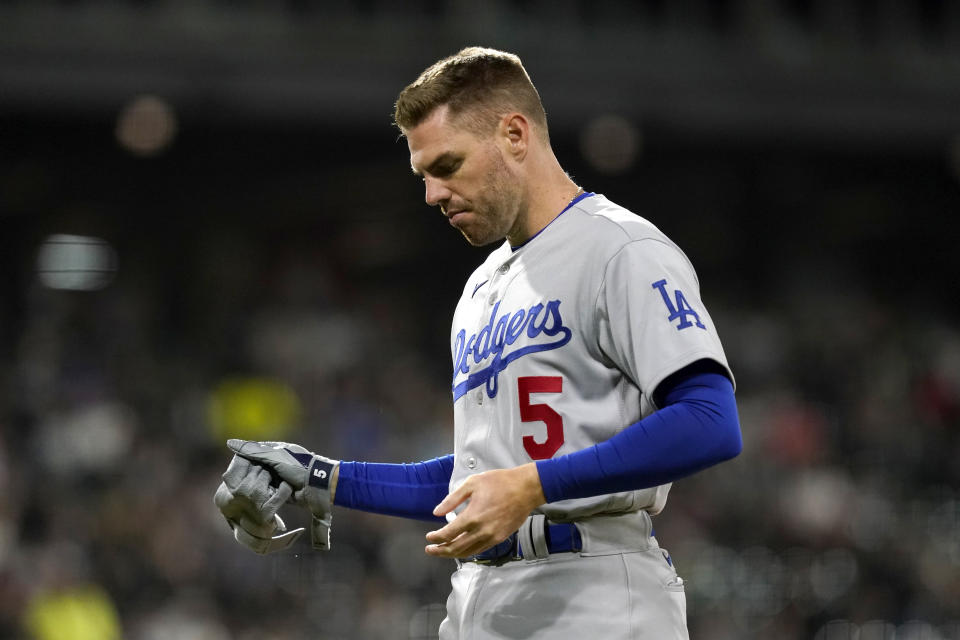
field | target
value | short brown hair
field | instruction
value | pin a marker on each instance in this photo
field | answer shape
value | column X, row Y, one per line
column 479, row 86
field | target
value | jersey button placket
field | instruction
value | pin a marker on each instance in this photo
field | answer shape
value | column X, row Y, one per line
column 495, row 281
column 481, row 407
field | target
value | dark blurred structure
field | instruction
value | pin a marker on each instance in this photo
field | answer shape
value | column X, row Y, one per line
column 207, row 226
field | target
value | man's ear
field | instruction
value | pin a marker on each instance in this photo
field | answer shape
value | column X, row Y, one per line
column 515, row 134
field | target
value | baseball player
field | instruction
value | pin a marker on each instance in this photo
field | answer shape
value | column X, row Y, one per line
column 587, row 376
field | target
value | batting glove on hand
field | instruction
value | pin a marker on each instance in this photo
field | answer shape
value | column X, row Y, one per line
column 307, row 473
column 249, row 502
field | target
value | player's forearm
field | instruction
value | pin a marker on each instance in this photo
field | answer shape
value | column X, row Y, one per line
column 403, row 490
column 698, row 428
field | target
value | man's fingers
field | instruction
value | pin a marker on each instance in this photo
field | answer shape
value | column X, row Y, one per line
column 256, row 490
column 225, row 501
column 288, row 461
column 453, row 548
column 446, row 505
column 236, row 445
column 467, row 544
column 251, row 450
column 458, row 539
column 439, row 551
column 255, row 486
column 444, row 535
column 453, row 500
column 235, row 473
column 277, row 500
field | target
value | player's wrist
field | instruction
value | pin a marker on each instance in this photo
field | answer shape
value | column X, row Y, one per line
column 334, row 479
column 532, row 486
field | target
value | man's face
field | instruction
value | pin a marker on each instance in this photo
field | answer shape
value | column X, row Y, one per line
column 467, row 177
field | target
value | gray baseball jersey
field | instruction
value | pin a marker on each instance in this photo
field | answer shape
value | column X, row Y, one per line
column 560, row 344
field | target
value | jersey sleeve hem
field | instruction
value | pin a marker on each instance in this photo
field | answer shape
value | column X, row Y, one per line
column 689, row 357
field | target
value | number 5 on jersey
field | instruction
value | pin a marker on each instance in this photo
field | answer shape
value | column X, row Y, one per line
column 541, row 412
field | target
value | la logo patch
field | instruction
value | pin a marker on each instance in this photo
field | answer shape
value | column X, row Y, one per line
column 679, row 308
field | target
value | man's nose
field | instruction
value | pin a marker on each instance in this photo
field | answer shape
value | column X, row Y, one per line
column 436, row 192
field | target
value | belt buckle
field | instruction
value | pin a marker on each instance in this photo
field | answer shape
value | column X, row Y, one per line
column 499, row 562
column 511, row 554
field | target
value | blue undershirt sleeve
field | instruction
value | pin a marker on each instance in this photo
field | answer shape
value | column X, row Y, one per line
column 403, row 490
column 697, row 427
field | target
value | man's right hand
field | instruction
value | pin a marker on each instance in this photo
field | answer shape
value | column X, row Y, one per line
column 312, row 477
column 249, row 501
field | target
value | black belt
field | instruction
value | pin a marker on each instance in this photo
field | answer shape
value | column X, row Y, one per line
column 560, row 538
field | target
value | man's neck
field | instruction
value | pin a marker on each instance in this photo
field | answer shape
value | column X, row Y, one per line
column 547, row 198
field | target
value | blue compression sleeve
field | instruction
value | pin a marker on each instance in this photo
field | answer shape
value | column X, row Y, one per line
column 404, row 490
column 696, row 428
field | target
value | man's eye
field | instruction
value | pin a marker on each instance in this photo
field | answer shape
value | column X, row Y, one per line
column 448, row 170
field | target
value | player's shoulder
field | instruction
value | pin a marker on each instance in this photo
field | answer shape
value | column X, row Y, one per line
column 609, row 231
column 612, row 225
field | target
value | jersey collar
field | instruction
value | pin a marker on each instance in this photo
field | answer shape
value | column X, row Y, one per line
column 585, row 194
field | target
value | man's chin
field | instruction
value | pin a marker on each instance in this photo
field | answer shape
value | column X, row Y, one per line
column 478, row 229
column 479, row 240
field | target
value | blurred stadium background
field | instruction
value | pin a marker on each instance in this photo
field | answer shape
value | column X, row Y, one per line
column 209, row 227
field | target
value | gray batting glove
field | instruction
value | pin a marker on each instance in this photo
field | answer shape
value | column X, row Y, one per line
column 249, row 502
column 307, row 473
